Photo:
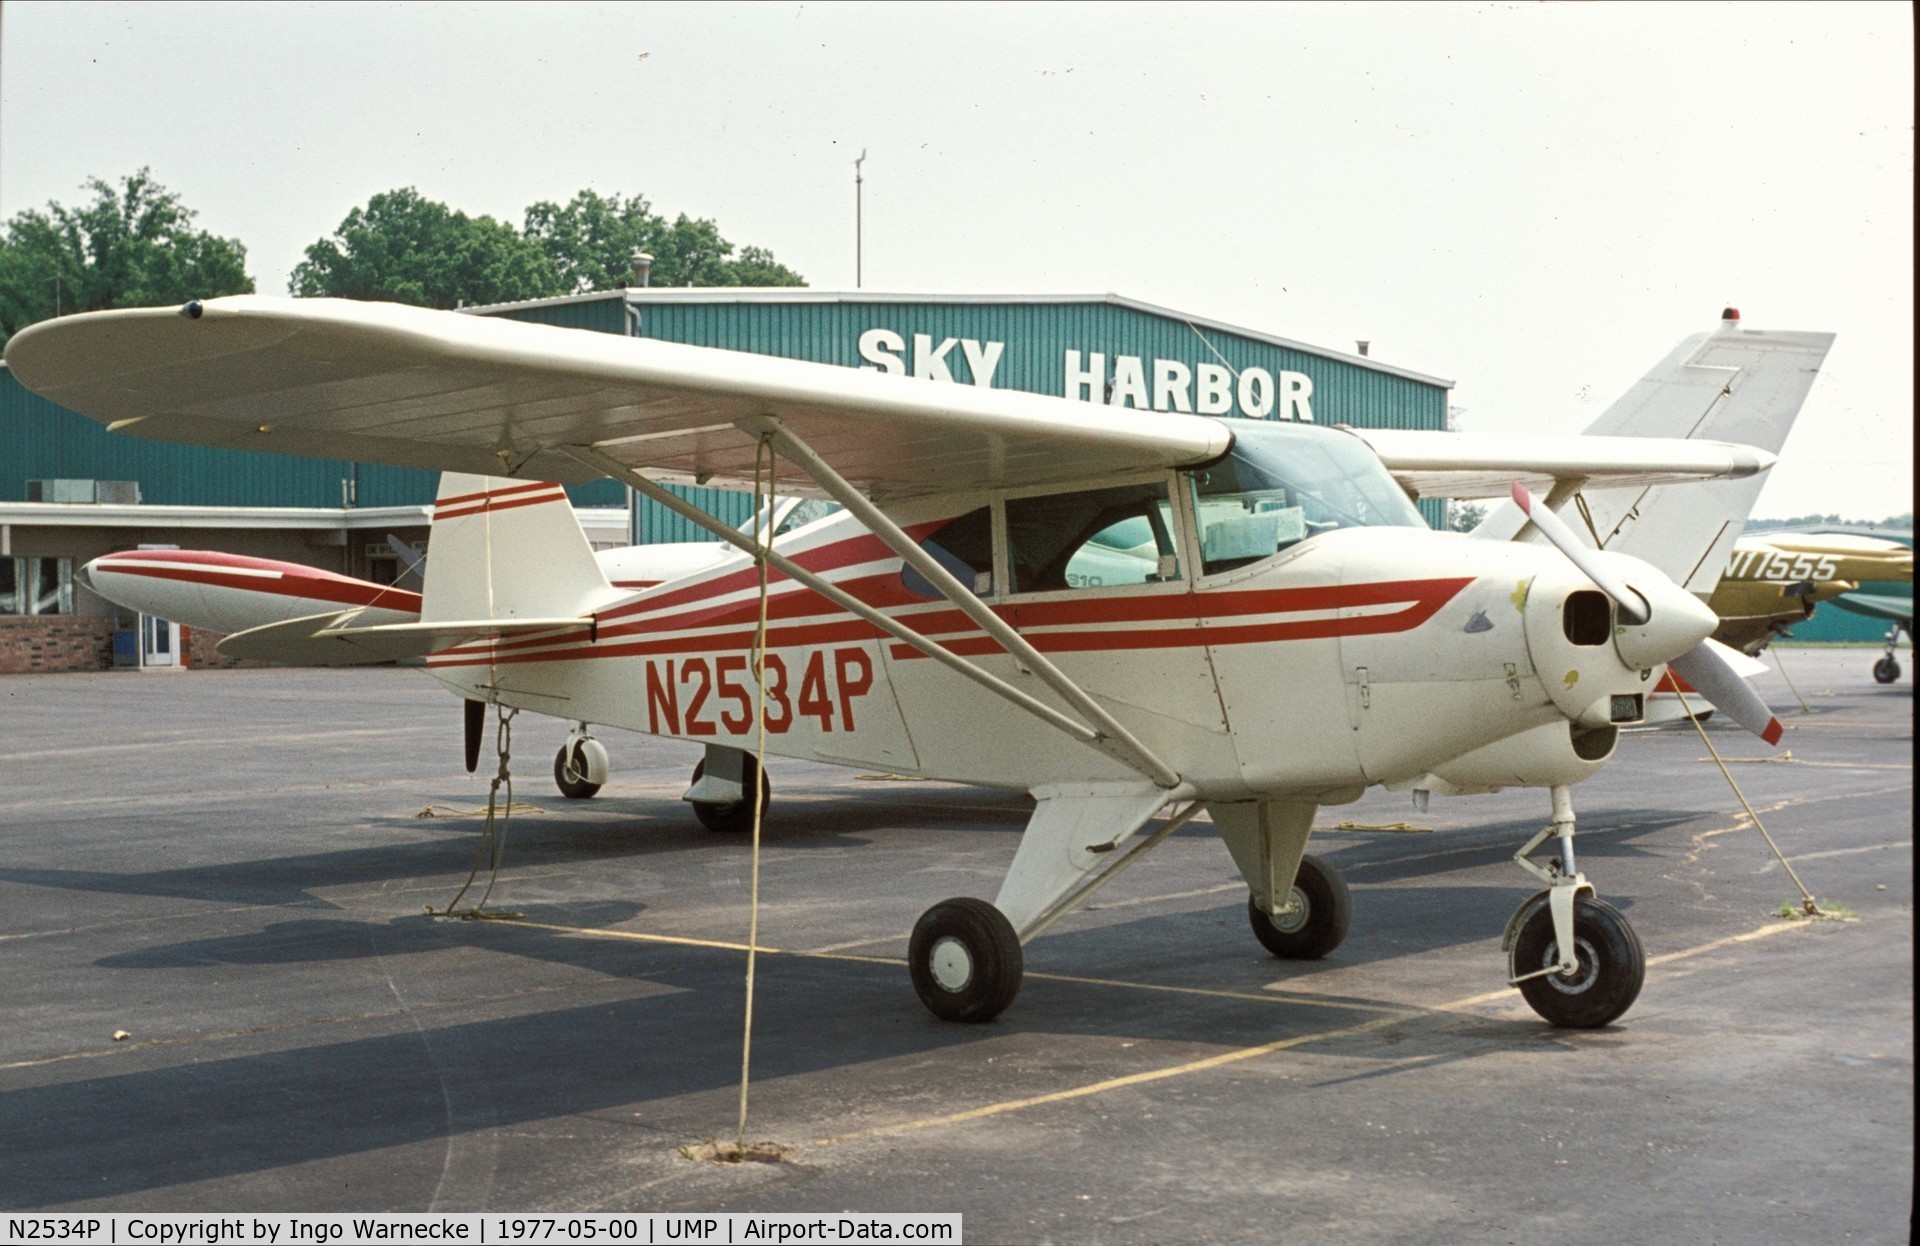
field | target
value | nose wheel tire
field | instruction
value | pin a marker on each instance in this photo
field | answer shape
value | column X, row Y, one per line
column 570, row 775
column 1611, row 970
column 1315, row 921
column 965, row 960
column 1886, row 670
column 733, row 817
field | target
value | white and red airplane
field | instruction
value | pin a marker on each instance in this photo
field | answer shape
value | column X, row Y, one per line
column 1121, row 612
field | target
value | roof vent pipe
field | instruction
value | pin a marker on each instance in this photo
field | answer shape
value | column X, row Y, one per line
column 642, row 265
column 1361, row 346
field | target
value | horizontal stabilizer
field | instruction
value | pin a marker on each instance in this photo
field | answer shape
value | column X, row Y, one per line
column 332, row 640
column 296, row 642
column 412, row 640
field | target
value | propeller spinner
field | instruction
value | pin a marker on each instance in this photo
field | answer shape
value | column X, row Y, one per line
column 1660, row 622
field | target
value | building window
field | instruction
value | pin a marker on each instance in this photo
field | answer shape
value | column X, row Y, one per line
column 36, row 586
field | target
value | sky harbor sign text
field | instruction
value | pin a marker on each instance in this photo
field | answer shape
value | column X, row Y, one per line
column 1125, row 381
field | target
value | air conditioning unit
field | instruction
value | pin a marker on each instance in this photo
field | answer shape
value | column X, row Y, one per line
column 117, row 492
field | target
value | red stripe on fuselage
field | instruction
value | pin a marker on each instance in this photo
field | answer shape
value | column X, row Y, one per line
column 1423, row 599
column 292, row 579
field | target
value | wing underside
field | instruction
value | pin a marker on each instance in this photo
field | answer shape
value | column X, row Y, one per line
column 402, row 385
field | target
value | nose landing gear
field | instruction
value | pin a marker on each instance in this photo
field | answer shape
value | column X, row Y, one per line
column 1575, row 959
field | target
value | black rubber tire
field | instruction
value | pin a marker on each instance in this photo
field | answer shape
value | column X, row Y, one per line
column 1886, row 670
column 1612, row 966
column 981, row 940
column 1309, row 935
column 570, row 787
column 732, row 817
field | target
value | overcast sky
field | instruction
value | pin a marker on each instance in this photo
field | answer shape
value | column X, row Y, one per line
column 1535, row 201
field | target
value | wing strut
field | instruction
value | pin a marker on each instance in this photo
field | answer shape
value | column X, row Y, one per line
column 853, row 605
column 1110, row 737
column 1113, row 738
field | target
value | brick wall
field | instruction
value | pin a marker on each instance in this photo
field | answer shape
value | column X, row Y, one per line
column 202, row 656
column 54, row 643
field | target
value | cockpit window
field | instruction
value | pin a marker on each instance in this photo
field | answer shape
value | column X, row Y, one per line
column 791, row 513
column 964, row 547
column 1284, row 483
column 1095, row 539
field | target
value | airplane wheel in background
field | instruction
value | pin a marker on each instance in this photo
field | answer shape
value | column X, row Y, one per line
column 1886, row 670
column 965, row 960
column 732, row 817
column 1612, row 966
column 570, row 770
column 1322, row 910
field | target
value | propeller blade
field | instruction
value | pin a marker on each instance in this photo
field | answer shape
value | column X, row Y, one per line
column 1715, row 678
column 476, row 722
column 409, row 559
column 1633, row 607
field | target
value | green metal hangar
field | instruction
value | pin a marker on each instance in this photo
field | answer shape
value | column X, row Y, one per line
column 70, row 491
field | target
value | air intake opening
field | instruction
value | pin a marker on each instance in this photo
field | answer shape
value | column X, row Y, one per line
column 1587, row 618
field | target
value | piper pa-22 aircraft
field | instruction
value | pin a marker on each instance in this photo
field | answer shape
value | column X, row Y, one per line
column 1122, row 612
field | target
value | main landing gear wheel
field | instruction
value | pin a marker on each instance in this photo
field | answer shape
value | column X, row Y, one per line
column 965, row 960
column 570, row 772
column 1886, row 670
column 1317, row 919
column 732, row 817
column 1611, row 970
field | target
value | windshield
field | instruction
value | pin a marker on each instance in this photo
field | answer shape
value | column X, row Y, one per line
column 1283, row 483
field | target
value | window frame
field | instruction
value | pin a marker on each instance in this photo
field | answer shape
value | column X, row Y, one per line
column 1180, row 523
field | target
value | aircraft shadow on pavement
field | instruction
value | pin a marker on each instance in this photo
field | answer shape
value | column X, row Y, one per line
column 93, row 1138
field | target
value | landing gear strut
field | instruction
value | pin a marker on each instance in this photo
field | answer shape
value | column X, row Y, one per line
column 720, row 792
column 1887, row 669
column 580, row 767
column 1575, row 959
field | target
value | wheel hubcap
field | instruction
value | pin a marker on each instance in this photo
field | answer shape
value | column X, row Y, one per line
column 1582, row 977
column 1293, row 918
column 952, row 964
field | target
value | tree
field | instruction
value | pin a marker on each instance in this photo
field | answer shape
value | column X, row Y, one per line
column 591, row 241
column 1464, row 516
column 132, row 246
column 404, row 248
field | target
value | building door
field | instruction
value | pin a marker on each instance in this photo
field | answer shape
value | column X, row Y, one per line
column 159, row 642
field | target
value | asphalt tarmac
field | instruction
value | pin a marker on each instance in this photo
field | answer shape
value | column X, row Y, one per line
column 230, row 869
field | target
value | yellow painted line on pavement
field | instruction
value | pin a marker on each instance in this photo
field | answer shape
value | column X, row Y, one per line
column 1252, row 1053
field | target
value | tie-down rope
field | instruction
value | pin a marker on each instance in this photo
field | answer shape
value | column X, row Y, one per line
column 765, row 460
column 1808, row 905
column 493, row 833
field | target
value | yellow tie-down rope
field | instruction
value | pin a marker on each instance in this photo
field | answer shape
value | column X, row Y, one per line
column 764, row 461
column 1809, row 907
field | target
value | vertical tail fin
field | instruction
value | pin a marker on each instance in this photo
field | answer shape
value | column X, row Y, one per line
column 1733, row 384
column 507, row 549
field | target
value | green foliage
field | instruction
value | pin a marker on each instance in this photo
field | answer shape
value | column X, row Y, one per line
column 1464, row 516
column 1902, row 521
column 133, row 246
column 591, row 241
column 404, row 248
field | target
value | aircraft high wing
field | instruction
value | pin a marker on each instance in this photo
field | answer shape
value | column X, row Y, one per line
column 1125, row 613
